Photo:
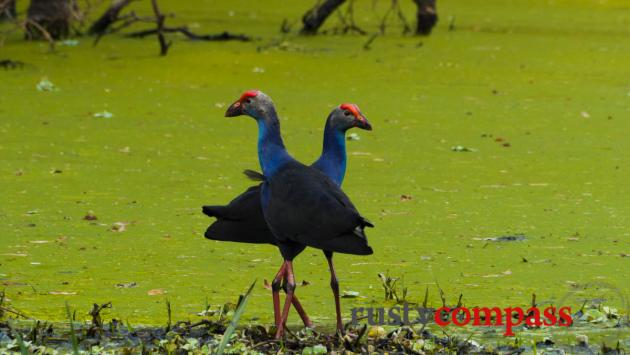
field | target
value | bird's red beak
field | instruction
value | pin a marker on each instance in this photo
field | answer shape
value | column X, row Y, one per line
column 363, row 123
column 235, row 109
column 359, row 120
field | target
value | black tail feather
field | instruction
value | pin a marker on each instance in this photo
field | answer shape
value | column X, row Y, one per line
column 366, row 223
column 212, row 211
column 254, row 175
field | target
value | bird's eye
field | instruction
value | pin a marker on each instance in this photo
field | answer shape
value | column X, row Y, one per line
column 249, row 101
column 347, row 113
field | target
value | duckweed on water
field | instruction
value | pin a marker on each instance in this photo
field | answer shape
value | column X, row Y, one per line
column 540, row 89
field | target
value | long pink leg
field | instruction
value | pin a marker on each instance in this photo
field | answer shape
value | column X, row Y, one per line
column 334, row 284
column 290, row 288
column 275, row 292
column 298, row 307
column 276, row 285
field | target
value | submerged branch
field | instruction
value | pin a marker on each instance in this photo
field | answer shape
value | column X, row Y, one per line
column 224, row 36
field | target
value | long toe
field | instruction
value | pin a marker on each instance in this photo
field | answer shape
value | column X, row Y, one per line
column 279, row 333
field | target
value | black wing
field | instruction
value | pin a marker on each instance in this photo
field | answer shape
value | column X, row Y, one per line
column 240, row 221
column 305, row 206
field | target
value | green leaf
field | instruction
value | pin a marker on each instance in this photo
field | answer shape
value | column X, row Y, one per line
column 594, row 316
column 23, row 348
column 234, row 322
column 316, row 349
column 350, row 294
column 73, row 336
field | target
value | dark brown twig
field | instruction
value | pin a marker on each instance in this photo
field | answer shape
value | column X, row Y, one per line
column 368, row 44
column 402, row 18
column 394, row 8
column 159, row 20
column 347, row 21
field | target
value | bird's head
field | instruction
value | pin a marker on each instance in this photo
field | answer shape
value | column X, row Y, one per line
column 253, row 103
column 346, row 116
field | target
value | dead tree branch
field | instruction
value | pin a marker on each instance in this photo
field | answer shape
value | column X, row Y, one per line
column 402, row 18
column 7, row 10
column 29, row 26
column 127, row 20
column 81, row 12
column 32, row 30
column 350, row 16
column 108, row 18
column 41, row 30
column 314, row 18
column 347, row 21
column 54, row 16
column 159, row 20
column 394, row 8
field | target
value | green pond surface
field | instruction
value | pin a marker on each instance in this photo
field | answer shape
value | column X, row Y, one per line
column 539, row 91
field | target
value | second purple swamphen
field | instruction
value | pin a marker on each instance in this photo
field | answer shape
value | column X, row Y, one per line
column 242, row 219
column 301, row 205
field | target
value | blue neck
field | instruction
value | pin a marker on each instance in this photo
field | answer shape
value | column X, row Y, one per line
column 271, row 151
column 332, row 162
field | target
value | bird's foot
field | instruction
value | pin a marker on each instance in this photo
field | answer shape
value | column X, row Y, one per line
column 341, row 333
column 280, row 332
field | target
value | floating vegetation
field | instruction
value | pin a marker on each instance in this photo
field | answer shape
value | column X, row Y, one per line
column 220, row 332
column 505, row 238
column 46, row 85
column 390, row 287
column 461, row 148
column 104, row 114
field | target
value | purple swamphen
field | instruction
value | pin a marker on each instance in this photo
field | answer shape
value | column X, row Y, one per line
column 301, row 205
column 242, row 219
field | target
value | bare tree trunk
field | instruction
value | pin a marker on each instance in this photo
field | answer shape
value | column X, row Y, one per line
column 7, row 9
column 315, row 17
column 426, row 16
column 110, row 16
column 53, row 16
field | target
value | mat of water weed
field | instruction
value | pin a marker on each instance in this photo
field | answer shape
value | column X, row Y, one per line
column 211, row 336
column 104, row 167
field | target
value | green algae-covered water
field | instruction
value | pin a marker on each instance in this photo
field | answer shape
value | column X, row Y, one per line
column 512, row 123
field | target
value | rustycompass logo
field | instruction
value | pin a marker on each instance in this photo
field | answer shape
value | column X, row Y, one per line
column 508, row 317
